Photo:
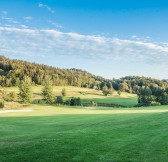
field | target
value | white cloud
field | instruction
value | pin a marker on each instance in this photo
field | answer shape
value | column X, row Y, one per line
column 10, row 20
column 24, row 26
column 53, row 43
column 27, row 18
column 40, row 5
column 55, row 24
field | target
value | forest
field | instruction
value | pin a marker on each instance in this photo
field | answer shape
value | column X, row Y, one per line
column 150, row 91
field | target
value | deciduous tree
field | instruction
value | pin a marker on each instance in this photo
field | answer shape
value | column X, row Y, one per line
column 25, row 90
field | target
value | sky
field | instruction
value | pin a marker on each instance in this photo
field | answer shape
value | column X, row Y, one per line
column 109, row 38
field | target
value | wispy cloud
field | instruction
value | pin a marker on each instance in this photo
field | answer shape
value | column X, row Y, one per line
column 55, row 24
column 41, row 5
column 10, row 20
column 27, row 18
column 7, row 21
column 53, row 43
column 24, row 26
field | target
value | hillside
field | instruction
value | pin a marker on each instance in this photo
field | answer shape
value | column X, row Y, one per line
column 12, row 71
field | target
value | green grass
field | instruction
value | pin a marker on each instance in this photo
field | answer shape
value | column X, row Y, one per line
column 66, row 134
column 108, row 101
column 87, row 95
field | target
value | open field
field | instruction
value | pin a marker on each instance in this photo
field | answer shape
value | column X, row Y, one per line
column 87, row 95
column 74, row 92
column 77, row 134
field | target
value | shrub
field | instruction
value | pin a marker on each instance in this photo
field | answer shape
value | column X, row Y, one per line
column 34, row 102
column 154, row 103
column 12, row 96
column 38, row 101
column 67, row 102
column 119, row 92
column 59, row 100
column 42, row 101
column 145, row 100
column 63, row 92
column 75, row 101
column 4, row 95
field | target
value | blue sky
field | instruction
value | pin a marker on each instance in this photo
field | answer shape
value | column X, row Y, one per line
column 110, row 38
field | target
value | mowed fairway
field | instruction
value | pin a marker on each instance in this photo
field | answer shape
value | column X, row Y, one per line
column 67, row 134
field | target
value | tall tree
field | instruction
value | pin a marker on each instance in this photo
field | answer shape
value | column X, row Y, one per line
column 47, row 90
column 25, row 90
column 145, row 97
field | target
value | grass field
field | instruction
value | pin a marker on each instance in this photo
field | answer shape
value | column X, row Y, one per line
column 87, row 95
column 66, row 134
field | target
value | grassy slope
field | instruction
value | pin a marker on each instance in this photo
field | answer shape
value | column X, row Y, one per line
column 89, row 95
column 73, row 134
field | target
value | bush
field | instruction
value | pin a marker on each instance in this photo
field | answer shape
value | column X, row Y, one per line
column 42, row 102
column 145, row 100
column 59, row 100
column 12, row 96
column 34, row 102
column 154, row 103
column 38, row 101
column 67, row 102
column 63, row 92
column 4, row 95
column 2, row 104
column 75, row 101
column 119, row 92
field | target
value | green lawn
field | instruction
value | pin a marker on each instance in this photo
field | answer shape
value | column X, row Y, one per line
column 67, row 134
column 109, row 101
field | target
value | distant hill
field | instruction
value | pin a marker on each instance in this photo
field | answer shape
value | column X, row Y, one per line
column 12, row 71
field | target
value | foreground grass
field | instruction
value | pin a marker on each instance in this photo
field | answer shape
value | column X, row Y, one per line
column 73, row 134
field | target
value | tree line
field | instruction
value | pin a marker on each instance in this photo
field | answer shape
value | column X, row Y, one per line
column 13, row 71
column 152, row 96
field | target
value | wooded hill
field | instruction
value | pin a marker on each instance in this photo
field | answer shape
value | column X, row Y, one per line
column 12, row 71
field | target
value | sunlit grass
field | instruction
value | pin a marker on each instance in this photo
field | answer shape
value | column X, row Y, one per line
column 87, row 95
column 67, row 134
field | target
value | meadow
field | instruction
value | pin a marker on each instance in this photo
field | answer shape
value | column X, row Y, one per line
column 87, row 95
column 64, row 134
column 83, row 134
